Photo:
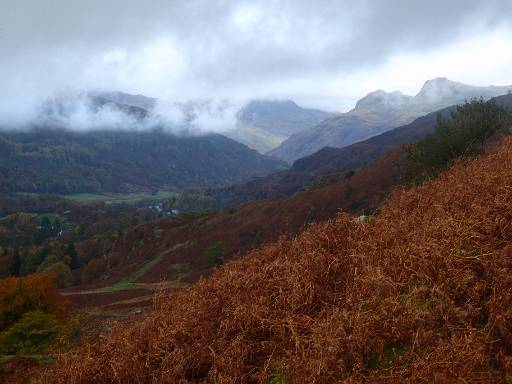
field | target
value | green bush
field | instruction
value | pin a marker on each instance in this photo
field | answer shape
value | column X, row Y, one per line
column 62, row 275
column 463, row 134
column 47, row 262
column 214, row 255
column 34, row 333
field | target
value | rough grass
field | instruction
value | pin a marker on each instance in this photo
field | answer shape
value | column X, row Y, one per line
column 421, row 294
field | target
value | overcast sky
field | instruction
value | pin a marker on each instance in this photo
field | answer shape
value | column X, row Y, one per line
column 320, row 53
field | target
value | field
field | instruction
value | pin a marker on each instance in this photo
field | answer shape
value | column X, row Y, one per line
column 120, row 197
column 114, row 197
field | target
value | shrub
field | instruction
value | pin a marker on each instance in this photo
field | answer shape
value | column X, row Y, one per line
column 34, row 333
column 463, row 134
column 179, row 270
column 214, row 254
column 311, row 215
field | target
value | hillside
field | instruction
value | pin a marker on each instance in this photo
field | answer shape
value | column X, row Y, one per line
column 419, row 293
column 61, row 161
column 328, row 160
column 264, row 124
column 378, row 112
column 251, row 225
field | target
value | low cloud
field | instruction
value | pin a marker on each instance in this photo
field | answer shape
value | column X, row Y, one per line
column 83, row 111
column 325, row 53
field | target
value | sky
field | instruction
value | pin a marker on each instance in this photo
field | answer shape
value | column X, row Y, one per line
column 320, row 53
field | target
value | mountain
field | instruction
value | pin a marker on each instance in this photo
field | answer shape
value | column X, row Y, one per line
column 140, row 101
column 280, row 117
column 378, row 112
column 62, row 161
column 264, row 124
column 260, row 124
column 328, row 160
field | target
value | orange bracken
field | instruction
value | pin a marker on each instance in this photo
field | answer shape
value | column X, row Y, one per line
column 422, row 293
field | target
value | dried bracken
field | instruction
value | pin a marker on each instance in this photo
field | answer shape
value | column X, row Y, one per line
column 422, row 293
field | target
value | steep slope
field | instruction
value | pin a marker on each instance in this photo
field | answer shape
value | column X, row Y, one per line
column 329, row 160
column 419, row 294
column 264, row 124
column 63, row 161
column 378, row 112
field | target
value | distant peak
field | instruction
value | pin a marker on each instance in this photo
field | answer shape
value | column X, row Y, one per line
column 437, row 85
column 438, row 80
column 374, row 96
column 382, row 99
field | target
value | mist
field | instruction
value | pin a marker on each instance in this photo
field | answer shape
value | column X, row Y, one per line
column 84, row 111
column 217, row 55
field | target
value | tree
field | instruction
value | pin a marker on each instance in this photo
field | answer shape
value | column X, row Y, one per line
column 34, row 333
column 31, row 259
column 61, row 274
column 71, row 252
column 93, row 270
column 16, row 263
column 46, row 224
column 6, row 261
column 19, row 295
column 47, row 262
column 57, row 226
column 463, row 134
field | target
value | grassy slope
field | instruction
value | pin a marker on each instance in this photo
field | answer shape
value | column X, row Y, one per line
column 419, row 294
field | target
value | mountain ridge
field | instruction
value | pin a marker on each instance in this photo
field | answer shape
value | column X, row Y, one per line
column 329, row 159
column 46, row 160
column 379, row 111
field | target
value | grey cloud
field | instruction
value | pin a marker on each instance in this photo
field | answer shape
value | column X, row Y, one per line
column 219, row 49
